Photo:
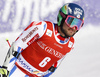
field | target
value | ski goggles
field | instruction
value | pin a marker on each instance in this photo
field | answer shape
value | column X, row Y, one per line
column 72, row 22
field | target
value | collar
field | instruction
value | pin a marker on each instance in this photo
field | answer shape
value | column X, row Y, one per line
column 58, row 36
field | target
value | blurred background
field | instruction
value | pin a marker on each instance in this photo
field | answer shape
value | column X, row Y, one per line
column 84, row 60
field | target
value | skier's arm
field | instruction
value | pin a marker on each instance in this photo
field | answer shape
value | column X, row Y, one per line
column 28, row 36
column 34, row 31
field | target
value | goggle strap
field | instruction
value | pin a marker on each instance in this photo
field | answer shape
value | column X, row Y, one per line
column 62, row 14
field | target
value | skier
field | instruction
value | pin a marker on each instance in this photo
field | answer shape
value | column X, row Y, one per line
column 41, row 47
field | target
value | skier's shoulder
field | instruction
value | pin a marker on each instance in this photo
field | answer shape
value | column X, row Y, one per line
column 43, row 25
column 40, row 26
column 36, row 24
column 72, row 39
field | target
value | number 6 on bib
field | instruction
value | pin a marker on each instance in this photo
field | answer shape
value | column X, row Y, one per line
column 44, row 62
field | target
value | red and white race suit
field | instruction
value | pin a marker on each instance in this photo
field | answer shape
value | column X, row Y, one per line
column 43, row 47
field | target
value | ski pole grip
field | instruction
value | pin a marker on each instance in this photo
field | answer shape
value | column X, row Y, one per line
column 8, row 42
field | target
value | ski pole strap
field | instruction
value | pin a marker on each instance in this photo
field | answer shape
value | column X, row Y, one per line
column 52, row 68
column 16, row 54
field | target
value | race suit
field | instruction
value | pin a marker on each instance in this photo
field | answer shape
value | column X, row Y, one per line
column 42, row 49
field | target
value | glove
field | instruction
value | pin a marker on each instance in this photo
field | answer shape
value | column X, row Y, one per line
column 3, row 72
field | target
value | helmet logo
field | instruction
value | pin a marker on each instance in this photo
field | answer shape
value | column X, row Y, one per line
column 70, row 10
column 65, row 7
column 78, row 12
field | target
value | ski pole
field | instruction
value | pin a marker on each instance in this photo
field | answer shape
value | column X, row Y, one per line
column 8, row 42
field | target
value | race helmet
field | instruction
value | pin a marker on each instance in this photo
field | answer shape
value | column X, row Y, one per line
column 72, row 14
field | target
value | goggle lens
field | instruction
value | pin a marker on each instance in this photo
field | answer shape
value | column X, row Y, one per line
column 74, row 22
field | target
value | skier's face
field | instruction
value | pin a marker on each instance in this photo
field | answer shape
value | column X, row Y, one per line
column 68, row 30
